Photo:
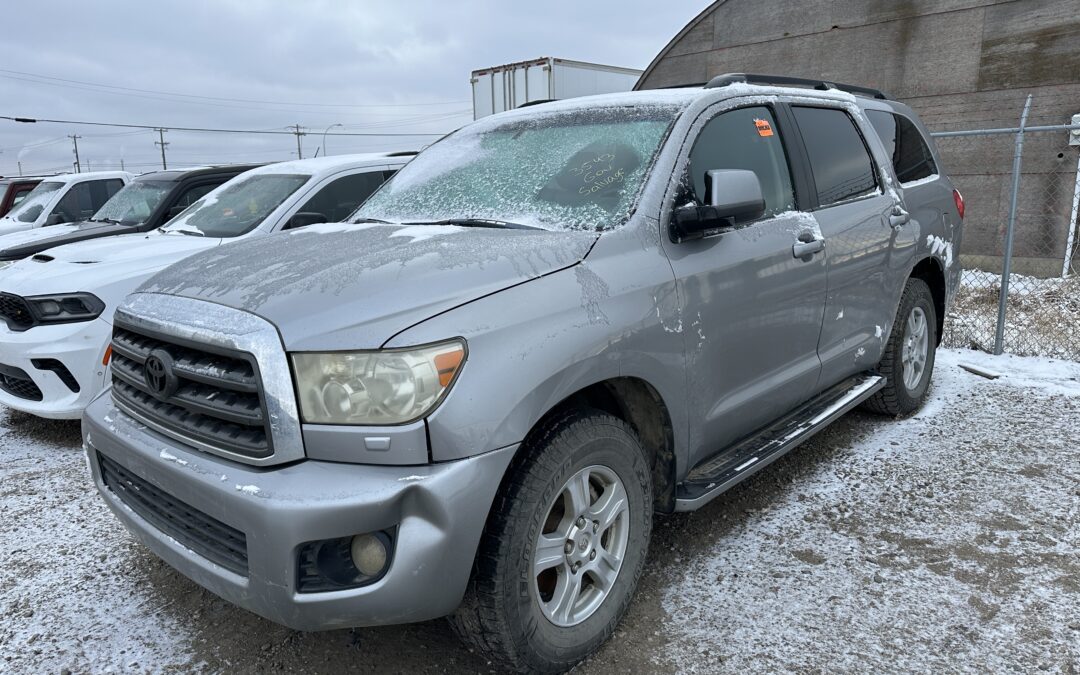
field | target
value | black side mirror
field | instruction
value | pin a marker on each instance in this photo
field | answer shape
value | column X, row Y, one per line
column 54, row 219
column 175, row 211
column 732, row 198
column 305, row 218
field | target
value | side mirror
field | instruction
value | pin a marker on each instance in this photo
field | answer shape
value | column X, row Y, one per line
column 732, row 197
column 305, row 218
column 175, row 211
column 54, row 219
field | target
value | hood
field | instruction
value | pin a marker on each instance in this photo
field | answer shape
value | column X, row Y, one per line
column 331, row 287
column 37, row 234
column 21, row 245
column 99, row 265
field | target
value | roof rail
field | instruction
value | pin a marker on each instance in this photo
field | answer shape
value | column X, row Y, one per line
column 751, row 78
column 403, row 153
column 538, row 101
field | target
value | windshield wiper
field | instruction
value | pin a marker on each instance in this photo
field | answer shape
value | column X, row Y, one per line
column 370, row 220
column 475, row 222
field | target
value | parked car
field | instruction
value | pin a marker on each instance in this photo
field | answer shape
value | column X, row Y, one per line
column 15, row 189
column 576, row 314
column 146, row 203
column 57, row 305
column 64, row 199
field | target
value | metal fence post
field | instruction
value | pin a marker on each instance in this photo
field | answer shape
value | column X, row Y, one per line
column 999, row 335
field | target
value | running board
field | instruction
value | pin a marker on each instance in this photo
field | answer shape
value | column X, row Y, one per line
column 725, row 469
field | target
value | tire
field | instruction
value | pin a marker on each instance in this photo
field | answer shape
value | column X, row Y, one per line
column 899, row 396
column 502, row 615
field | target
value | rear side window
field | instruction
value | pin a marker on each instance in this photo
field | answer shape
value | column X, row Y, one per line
column 745, row 138
column 910, row 153
column 340, row 198
column 840, row 162
column 194, row 194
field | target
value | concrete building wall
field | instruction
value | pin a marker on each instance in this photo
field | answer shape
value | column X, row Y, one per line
column 961, row 64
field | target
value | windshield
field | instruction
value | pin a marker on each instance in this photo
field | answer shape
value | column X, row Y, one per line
column 574, row 170
column 134, row 203
column 31, row 207
column 236, row 207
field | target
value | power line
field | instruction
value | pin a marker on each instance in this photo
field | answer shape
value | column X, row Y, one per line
column 227, row 99
column 219, row 131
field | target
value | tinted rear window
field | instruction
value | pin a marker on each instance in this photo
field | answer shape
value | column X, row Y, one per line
column 839, row 159
column 910, row 153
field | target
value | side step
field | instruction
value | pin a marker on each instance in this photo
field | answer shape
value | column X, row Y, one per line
column 725, row 469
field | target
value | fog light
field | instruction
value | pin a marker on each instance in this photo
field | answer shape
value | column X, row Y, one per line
column 369, row 554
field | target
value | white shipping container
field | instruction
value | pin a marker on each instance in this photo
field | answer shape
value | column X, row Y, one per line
column 514, row 84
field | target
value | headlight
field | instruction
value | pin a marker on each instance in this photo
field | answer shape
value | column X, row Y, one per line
column 65, row 308
column 377, row 387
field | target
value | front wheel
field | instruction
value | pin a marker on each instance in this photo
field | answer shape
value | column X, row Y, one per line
column 908, row 361
column 563, row 548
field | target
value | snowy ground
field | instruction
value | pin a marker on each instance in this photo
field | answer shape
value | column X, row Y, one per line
column 948, row 541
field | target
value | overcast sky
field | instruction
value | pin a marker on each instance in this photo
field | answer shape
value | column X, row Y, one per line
column 376, row 67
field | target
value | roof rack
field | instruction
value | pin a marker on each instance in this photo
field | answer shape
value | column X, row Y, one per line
column 751, row 78
column 403, row 153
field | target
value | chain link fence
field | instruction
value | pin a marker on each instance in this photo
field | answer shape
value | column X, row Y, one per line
column 1020, row 227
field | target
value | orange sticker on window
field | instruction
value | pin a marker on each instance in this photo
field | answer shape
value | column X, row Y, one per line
column 763, row 127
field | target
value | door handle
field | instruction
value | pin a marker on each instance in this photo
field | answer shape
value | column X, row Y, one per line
column 807, row 244
column 899, row 217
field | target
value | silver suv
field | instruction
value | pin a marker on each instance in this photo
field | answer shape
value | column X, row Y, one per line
column 553, row 324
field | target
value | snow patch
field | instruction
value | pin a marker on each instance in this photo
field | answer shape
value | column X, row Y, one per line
column 248, row 489
column 940, row 247
column 411, row 478
column 922, row 181
column 169, row 457
column 422, row 232
column 840, row 314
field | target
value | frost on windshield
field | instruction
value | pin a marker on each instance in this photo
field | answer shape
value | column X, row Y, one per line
column 134, row 202
column 577, row 169
column 30, row 208
column 237, row 207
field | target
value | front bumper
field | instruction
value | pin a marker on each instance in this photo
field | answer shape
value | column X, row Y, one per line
column 79, row 347
column 438, row 511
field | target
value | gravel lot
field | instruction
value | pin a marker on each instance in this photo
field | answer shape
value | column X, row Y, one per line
column 946, row 541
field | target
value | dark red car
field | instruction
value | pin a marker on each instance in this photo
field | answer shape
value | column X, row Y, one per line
column 13, row 189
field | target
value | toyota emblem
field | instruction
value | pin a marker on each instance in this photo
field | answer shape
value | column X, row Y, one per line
column 158, row 373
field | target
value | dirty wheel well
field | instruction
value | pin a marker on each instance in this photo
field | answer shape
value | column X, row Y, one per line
column 638, row 404
column 930, row 271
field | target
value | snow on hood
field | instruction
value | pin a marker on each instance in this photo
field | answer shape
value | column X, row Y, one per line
column 355, row 287
column 35, row 235
column 97, row 265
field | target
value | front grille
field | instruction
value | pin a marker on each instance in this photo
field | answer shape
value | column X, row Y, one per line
column 15, row 312
column 214, row 401
column 16, row 382
column 203, row 534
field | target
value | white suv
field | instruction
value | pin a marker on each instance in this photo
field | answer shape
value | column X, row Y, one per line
column 56, row 307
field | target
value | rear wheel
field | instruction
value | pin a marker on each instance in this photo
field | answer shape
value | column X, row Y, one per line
column 563, row 548
column 908, row 361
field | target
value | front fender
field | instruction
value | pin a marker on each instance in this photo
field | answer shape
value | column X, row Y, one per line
column 533, row 345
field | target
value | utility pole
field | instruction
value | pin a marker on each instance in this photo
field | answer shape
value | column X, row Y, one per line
column 75, row 140
column 20, row 167
column 122, row 164
column 162, row 143
column 298, row 130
